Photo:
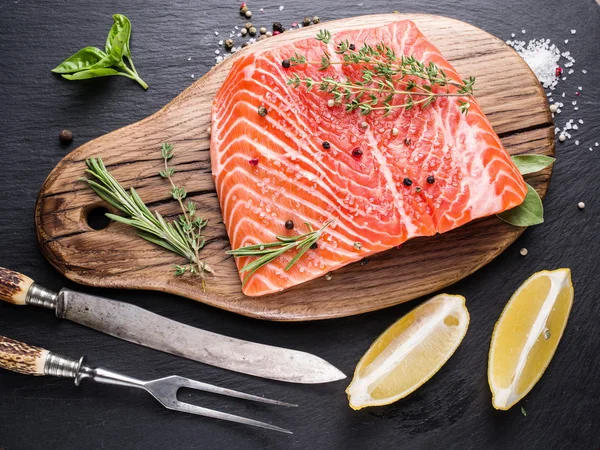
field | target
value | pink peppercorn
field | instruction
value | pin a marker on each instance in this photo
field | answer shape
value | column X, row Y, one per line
column 558, row 72
column 253, row 161
column 275, row 33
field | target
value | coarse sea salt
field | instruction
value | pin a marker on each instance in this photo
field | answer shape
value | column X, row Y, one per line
column 542, row 57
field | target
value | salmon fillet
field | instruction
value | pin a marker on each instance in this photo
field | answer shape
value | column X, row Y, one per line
column 268, row 170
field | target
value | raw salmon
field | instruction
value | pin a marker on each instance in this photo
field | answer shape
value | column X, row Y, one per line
column 274, row 168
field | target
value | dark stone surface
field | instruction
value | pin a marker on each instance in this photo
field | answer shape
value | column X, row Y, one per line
column 453, row 410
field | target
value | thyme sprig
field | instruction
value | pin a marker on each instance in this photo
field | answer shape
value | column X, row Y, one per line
column 384, row 76
column 181, row 236
column 270, row 251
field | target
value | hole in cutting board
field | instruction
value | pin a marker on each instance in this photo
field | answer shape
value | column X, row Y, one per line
column 96, row 218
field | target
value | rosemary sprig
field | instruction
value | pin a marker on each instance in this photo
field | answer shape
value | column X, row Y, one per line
column 270, row 251
column 383, row 77
column 182, row 236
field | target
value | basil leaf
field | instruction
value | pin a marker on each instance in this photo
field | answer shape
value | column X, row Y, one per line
column 530, row 212
column 531, row 163
column 82, row 60
column 93, row 73
column 117, row 41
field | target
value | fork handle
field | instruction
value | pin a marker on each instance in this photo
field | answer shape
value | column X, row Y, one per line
column 31, row 360
column 22, row 358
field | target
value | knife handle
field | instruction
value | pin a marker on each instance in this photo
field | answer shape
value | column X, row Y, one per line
column 30, row 360
column 14, row 286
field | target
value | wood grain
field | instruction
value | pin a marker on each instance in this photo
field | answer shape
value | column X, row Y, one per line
column 508, row 93
column 22, row 358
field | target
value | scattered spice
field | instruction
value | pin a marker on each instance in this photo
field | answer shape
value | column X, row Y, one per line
column 208, row 130
column 289, row 225
column 248, row 14
column 244, row 32
column 268, row 34
column 306, row 21
column 278, row 27
column 229, row 44
column 581, row 205
column 553, row 108
column 253, row 161
column 395, row 131
column 357, row 245
column 316, row 19
column 364, row 125
column 65, row 137
column 430, row 179
column 275, row 32
column 357, row 152
column 285, row 63
column 243, row 9
column 407, row 182
column 252, row 31
column 364, row 262
column 329, row 276
column 418, row 189
column 558, row 71
column 314, row 246
column 262, row 111
column 262, row 30
column 407, row 141
column 523, row 252
column 248, row 25
column 326, row 145
column 331, row 103
column 352, row 47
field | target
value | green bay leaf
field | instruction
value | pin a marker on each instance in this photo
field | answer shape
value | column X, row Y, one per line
column 530, row 212
column 531, row 163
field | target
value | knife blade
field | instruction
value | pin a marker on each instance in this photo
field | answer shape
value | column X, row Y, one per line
column 140, row 326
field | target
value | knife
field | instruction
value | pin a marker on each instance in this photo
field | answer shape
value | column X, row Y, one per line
column 140, row 326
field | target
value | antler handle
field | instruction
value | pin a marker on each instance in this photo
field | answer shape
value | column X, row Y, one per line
column 14, row 286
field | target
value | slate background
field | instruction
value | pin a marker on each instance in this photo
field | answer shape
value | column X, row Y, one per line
column 453, row 410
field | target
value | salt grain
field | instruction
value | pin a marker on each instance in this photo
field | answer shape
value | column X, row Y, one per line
column 542, row 57
column 523, row 31
column 281, row 8
column 573, row 31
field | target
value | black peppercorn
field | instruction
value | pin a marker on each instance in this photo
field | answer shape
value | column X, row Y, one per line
column 326, row 145
column 65, row 136
column 431, row 179
column 364, row 262
column 357, row 152
column 289, row 225
column 352, row 47
column 407, row 141
column 316, row 19
column 286, row 63
column 262, row 111
column 306, row 21
column 278, row 27
column 407, row 181
column 314, row 246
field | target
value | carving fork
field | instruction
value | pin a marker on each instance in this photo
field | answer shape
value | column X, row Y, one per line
column 26, row 359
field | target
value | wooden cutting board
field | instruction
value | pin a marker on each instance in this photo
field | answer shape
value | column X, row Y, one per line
column 507, row 90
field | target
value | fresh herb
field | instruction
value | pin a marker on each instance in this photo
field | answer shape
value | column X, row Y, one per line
column 531, row 211
column 91, row 62
column 385, row 76
column 182, row 236
column 270, row 251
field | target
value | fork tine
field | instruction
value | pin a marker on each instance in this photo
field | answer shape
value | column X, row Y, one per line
column 200, row 411
column 198, row 385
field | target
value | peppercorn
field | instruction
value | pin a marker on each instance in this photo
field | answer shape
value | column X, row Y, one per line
column 314, row 246
column 268, row 34
column 278, row 27
column 431, row 179
column 244, row 31
column 364, row 262
column 229, row 44
column 306, row 21
column 352, row 47
column 286, row 63
column 248, row 14
column 65, row 137
column 407, row 141
column 357, row 245
column 248, row 25
column 407, row 181
column 326, row 145
column 558, row 72
column 243, row 8
column 357, row 152
column 262, row 30
column 418, row 189
column 316, row 20
column 275, row 33
column 262, row 111
column 252, row 31
column 253, row 161
column 289, row 225
column 245, row 44
column 262, row 37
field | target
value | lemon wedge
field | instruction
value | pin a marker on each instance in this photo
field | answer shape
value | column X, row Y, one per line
column 409, row 352
column 527, row 334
